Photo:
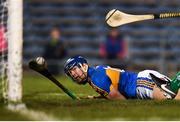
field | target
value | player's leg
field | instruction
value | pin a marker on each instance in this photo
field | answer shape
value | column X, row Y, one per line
column 178, row 95
column 158, row 94
column 171, row 86
column 175, row 83
column 146, row 87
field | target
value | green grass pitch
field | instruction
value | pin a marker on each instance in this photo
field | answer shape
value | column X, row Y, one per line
column 40, row 94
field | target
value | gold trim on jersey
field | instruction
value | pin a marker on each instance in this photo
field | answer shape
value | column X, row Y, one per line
column 114, row 76
column 145, row 83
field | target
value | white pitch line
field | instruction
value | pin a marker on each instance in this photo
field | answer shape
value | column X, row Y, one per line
column 37, row 115
column 31, row 114
column 34, row 114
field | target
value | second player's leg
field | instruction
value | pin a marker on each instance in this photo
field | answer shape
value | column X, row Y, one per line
column 177, row 96
column 147, row 89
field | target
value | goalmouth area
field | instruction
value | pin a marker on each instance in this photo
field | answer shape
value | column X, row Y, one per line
column 152, row 45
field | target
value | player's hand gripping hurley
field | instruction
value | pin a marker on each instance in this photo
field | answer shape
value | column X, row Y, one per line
column 42, row 69
column 115, row 18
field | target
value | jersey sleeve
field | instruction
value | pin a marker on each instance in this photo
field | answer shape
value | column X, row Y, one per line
column 101, row 85
column 100, row 81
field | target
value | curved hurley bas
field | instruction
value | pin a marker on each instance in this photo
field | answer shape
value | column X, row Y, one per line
column 115, row 18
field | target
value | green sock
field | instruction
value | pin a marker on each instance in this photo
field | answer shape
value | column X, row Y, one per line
column 175, row 83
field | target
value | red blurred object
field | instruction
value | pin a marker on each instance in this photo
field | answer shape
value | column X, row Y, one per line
column 3, row 40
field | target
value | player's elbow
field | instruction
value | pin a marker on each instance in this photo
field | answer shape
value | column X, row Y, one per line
column 113, row 95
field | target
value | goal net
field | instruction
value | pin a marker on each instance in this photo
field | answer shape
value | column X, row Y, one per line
column 11, row 50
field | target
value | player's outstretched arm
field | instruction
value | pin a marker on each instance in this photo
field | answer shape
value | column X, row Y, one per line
column 115, row 95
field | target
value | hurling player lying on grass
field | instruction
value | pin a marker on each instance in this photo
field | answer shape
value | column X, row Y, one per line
column 112, row 83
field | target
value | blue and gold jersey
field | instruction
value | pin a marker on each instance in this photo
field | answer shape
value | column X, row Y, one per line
column 104, row 78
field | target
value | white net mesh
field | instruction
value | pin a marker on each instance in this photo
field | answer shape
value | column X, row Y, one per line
column 3, row 48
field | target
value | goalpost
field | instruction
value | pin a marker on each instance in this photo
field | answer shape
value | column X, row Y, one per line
column 11, row 50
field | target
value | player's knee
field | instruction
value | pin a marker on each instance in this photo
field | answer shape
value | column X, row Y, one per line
column 159, row 94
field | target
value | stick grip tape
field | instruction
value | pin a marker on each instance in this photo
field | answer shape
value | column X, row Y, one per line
column 167, row 15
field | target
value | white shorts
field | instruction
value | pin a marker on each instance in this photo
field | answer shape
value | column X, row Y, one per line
column 145, row 84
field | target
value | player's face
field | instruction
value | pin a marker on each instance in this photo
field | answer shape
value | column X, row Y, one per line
column 78, row 74
column 55, row 34
column 114, row 33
